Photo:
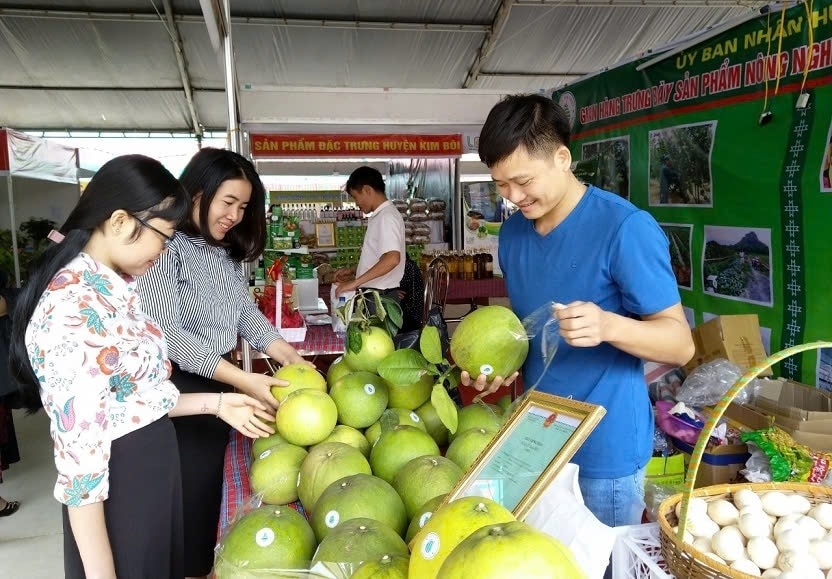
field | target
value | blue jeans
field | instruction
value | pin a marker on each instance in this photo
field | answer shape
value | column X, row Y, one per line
column 615, row 501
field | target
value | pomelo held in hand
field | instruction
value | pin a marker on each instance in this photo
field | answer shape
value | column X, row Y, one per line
column 491, row 340
column 306, row 417
column 264, row 539
column 298, row 376
column 512, row 549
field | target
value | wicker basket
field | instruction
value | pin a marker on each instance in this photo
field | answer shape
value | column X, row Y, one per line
column 686, row 562
column 682, row 559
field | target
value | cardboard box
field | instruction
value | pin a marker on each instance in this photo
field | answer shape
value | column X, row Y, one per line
column 666, row 470
column 735, row 338
column 803, row 411
column 722, row 464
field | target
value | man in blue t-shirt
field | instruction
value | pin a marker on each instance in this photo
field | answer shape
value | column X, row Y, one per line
column 608, row 262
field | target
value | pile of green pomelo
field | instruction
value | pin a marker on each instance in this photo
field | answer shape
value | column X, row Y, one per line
column 370, row 452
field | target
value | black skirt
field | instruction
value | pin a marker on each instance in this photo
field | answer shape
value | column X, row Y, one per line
column 144, row 509
column 202, row 442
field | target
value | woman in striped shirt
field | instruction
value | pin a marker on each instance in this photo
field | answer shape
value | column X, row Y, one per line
column 199, row 296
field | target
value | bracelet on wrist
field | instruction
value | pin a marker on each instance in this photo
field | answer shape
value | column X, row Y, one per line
column 219, row 405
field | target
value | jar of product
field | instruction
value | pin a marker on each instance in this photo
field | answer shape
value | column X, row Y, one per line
column 468, row 266
column 489, row 266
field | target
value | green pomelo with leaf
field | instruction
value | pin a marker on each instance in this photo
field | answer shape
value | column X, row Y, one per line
column 467, row 447
column 267, row 538
column 360, row 397
column 491, row 340
column 357, row 541
column 398, row 446
column 365, row 349
column 351, row 436
column 358, row 496
column 274, row 473
column 325, row 464
column 513, row 549
column 410, row 395
column 298, row 376
column 424, row 478
column 391, row 418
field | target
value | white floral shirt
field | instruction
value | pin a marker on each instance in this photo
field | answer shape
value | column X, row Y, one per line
column 103, row 371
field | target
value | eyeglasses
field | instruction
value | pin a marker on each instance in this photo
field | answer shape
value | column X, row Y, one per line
column 167, row 238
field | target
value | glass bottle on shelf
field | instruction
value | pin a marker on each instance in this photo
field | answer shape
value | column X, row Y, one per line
column 467, row 266
column 453, row 265
column 489, row 265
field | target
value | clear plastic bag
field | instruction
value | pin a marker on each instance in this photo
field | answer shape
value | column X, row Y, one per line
column 708, row 383
column 276, row 541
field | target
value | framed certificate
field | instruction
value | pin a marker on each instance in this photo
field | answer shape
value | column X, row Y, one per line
column 325, row 232
column 536, row 441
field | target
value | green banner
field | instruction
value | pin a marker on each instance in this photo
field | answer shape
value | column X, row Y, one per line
column 727, row 142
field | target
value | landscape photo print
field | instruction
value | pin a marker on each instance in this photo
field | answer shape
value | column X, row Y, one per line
column 680, row 165
column 613, row 156
column 736, row 263
column 679, row 236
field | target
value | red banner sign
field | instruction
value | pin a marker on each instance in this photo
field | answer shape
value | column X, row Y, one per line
column 266, row 146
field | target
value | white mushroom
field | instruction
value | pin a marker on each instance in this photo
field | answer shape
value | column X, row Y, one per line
column 822, row 513
column 746, row 498
column 746, row 566
column 763, row 552
column 728, row 545
column 723, row 512
column 776, row 503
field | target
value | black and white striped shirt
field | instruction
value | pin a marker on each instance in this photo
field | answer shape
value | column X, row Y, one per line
column 199, row 297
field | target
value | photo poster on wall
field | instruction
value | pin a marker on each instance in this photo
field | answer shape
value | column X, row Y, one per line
column 742, row 201
column 484, row 212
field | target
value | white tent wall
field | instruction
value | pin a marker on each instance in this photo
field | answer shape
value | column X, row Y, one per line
column 38, row 199
column 38, row 179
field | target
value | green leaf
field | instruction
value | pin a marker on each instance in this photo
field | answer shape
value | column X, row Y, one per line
column 354, row 338
column 403, row 367
column 453, row 377
column 445, row 407
column 394, row 310
column 380, row 312
column 430, row 345
column 389, row 420
column 390, row 327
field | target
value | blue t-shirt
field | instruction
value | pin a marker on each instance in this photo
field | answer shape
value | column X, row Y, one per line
column 609, row 252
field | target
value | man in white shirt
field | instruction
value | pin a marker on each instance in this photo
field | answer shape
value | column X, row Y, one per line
column 381, row 265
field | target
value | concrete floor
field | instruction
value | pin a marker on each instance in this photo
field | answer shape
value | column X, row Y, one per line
column 31, row 540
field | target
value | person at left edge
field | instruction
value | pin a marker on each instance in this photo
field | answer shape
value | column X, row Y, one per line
column 199, row 296
column 83, row 349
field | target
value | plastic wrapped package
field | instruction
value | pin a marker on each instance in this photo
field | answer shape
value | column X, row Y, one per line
column 276, row 541
column 788, row 460
column 708, row 383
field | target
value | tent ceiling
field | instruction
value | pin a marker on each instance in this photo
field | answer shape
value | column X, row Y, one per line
column 111, row 64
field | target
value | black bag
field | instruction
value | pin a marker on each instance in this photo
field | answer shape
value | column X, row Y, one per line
column 410, row 339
